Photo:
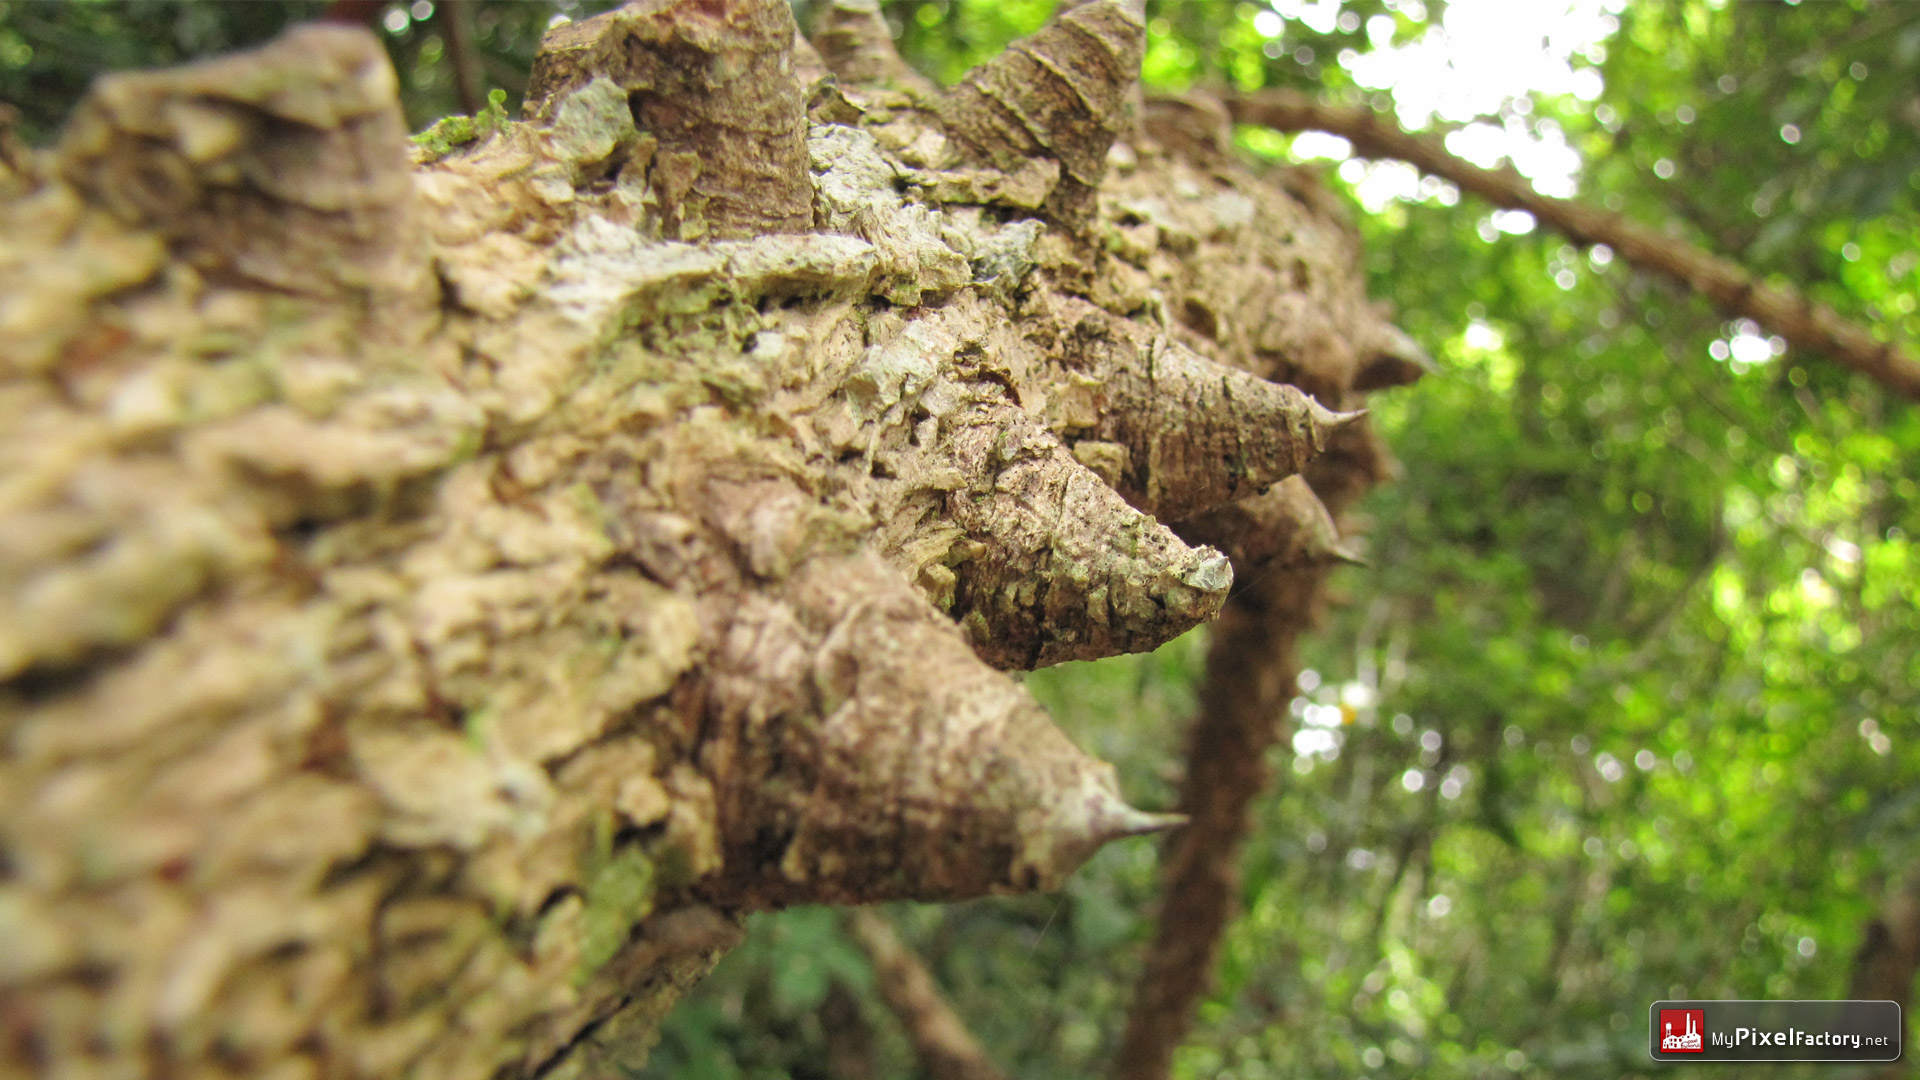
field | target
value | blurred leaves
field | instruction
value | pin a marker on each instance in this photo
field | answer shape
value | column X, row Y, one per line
column 50, row 51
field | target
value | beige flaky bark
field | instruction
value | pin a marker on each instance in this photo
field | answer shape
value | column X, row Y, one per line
column 1782, row 309
column 443, row 585
column 1282, row 543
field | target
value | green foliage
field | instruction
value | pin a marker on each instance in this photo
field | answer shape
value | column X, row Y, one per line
column 797, row 993
column 49, row 52
column 944, row 38
column 1635, row 672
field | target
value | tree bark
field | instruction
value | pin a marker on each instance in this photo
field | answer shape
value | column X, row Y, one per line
column 1282, row 544
column 442, row 586
column 1888, row 958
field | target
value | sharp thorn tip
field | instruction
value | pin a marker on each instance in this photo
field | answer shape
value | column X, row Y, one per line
column 1133, row 822
column 1349, row 554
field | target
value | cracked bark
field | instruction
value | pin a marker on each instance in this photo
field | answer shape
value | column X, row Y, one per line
column 442, row 586
column 1282, row 543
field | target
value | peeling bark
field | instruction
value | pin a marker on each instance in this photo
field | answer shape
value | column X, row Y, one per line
column 443, row 586
column 857, row 47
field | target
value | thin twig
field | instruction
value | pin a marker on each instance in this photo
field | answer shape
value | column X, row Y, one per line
column 1781, row 309
column 941, row 1039
column 458, row 15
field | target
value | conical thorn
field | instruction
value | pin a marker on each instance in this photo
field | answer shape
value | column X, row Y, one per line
column 1331, row 420
column 715, row 84
column 1396, row 360
column 854, row 40
column 1189, row 433
column 1060, row 93
column 1130, row 822
column 1347, row 550
column 1284, row 526
column 1115, row 579
column 1088, row 817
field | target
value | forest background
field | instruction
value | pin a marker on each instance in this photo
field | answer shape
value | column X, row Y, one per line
column 1624, row 707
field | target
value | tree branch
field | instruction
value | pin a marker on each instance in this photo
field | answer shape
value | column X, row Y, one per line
column 1252, row 665
column 1889, row 955
column 940, row 1038
column 1250, row 677
column 1804, row 323
column 458, row 15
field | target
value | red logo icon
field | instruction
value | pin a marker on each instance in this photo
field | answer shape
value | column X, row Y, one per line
column 1682, row 1031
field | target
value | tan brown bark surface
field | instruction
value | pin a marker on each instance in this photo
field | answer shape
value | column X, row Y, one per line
column 443, row 585
column 1780, row 308
column 1282, row 542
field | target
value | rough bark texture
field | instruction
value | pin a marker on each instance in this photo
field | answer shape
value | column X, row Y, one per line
column 1282, row 542
column 442, row 586
column 713, row 85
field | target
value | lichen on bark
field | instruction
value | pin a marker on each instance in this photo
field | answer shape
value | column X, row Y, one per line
column 442, row 586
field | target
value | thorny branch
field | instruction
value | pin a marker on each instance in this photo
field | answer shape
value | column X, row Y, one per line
column 1251, row 668
column 626, row 519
